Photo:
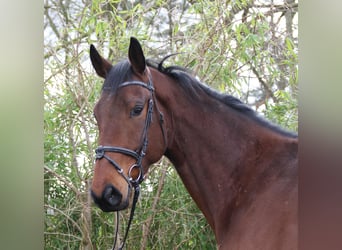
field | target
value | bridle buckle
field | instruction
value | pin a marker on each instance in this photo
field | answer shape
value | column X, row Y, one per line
column 140, row 176
column 99, row 152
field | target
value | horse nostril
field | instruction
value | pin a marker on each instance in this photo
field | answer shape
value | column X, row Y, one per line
column 112, row 196
column 110, row 200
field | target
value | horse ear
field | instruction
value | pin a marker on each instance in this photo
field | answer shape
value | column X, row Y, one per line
column 101, row 65
column 136, row 56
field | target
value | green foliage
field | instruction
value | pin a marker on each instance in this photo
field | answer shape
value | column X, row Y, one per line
column 233, row 46
column 284, row 112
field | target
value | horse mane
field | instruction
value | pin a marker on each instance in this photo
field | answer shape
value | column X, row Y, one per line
column 193, row 86
column 122, row 72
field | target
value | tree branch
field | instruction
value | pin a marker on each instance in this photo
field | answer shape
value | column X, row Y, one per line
column 269, row 92
column 62, row 179
column 147, row 224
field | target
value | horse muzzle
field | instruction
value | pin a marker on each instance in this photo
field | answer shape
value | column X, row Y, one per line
column 111, row 199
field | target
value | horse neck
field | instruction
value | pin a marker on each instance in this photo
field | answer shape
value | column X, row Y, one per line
column 216, row 151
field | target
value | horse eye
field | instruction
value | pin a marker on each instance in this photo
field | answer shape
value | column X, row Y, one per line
column 137, row 110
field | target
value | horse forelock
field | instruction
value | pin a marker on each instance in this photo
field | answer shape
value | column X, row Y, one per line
column 118, row 74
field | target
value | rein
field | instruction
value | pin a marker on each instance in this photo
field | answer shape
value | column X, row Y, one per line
column 138, row 155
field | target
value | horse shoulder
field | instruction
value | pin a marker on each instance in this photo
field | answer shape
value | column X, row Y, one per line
column 268, row 218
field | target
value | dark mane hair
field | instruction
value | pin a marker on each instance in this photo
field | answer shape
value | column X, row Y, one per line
column 191, row 85
column 122, row 72
column 118, row 74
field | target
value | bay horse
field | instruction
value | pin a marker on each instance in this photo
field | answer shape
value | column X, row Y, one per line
column 240, row 169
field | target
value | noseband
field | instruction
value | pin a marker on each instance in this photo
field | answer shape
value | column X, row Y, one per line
column 138, row 155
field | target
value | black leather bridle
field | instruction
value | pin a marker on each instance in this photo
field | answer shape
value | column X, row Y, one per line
column 138, row 155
